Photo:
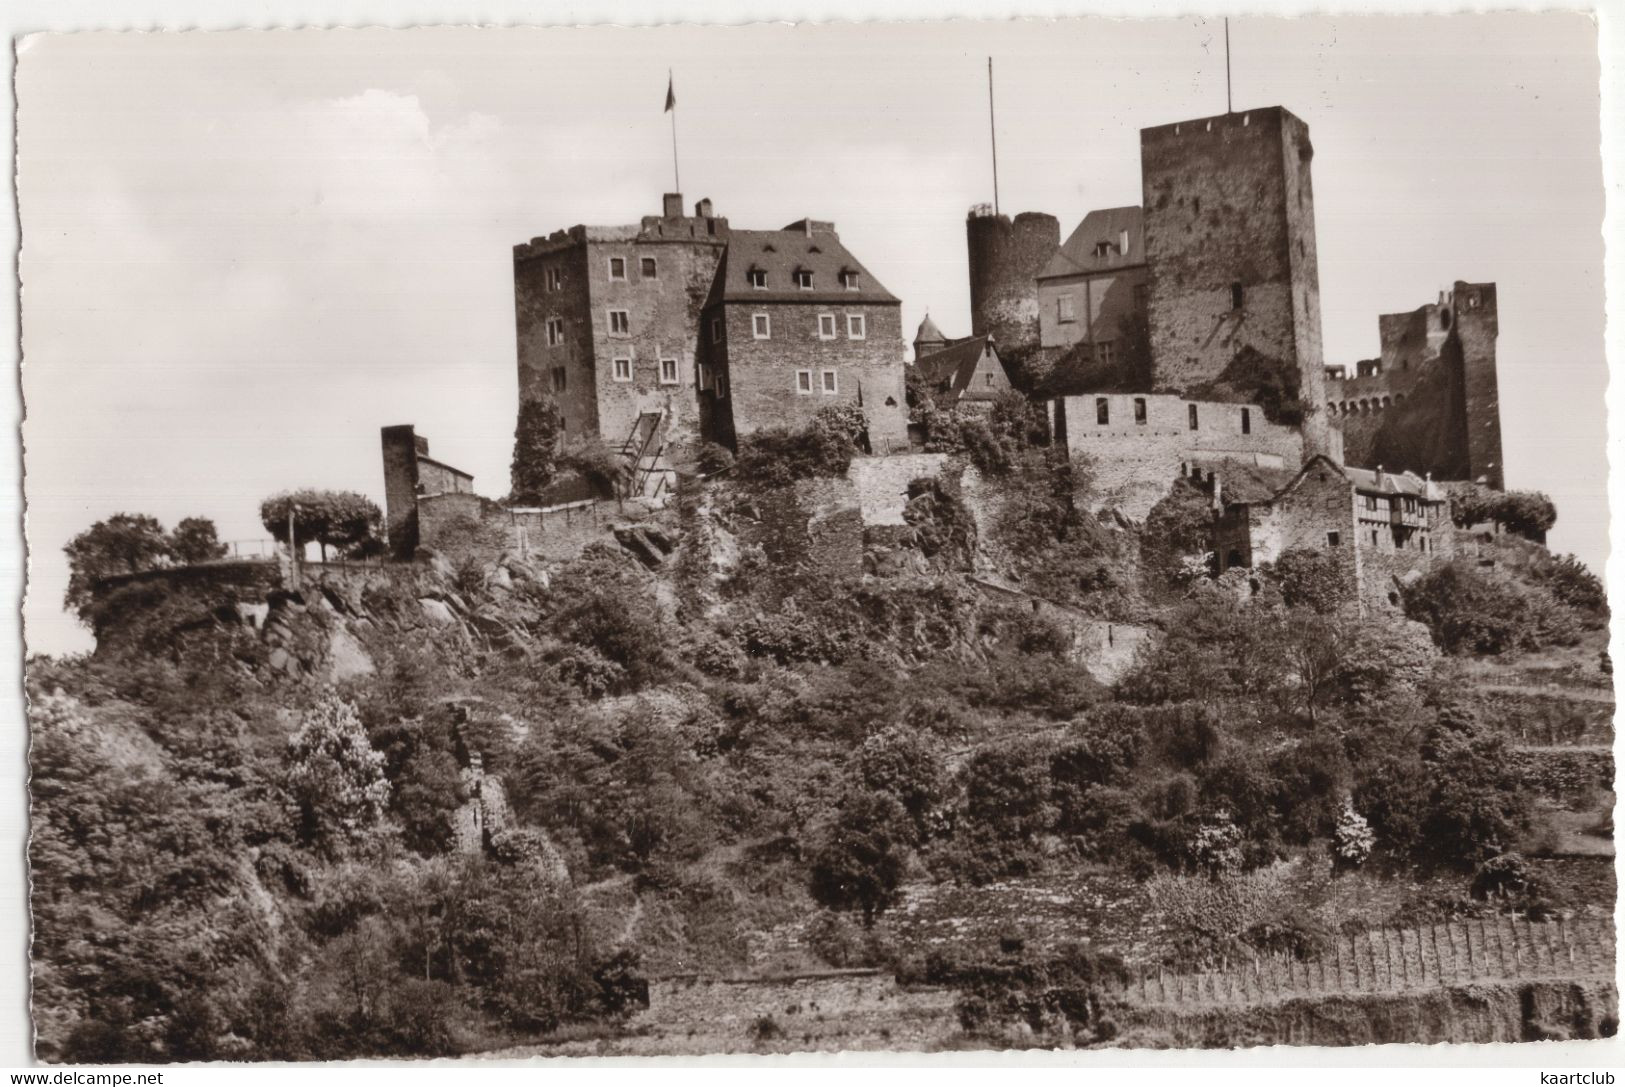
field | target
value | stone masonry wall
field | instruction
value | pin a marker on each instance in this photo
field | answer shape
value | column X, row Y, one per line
column 882, row 483
column 534, row 304
column 1134, row 465
column 1005, row 259
column 762, row 374
column 1228, row 204
column 465, row 524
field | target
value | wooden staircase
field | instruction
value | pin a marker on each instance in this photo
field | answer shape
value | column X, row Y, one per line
column 643, row 448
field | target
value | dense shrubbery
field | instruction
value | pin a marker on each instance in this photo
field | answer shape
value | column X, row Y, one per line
column 1470, row 610
column 264, row 884
column 128, row 543
column 777, row 456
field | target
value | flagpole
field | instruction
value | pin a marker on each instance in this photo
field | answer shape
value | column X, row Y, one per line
column 1228, row 106
column 993, row 134
column 676, row 177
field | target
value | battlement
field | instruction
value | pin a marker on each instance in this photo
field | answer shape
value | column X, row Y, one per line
column 1223, row 126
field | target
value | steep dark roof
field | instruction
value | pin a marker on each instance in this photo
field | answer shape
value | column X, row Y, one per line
column 1406, row 483
column 781, row 253
column 929, row 332
column 1247, row 485
column 1077, row 254
column 953, row 367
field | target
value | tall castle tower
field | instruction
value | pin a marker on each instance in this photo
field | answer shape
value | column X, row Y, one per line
column 1234, row 302
column 1005, row 259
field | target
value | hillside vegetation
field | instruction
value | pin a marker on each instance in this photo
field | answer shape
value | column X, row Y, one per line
column 254, row 811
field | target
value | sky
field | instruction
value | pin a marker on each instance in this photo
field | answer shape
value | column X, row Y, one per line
column 243, row 253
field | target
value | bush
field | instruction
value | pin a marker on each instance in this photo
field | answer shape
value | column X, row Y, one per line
column 1573, row 585
column 778, row 456
column 1314, row 579
column 859, row 862
column 1468, row 612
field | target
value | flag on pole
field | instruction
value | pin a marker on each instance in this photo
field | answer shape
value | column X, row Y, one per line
column 671, row 95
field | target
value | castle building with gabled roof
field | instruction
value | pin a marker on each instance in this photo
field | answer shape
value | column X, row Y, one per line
column 679, row 330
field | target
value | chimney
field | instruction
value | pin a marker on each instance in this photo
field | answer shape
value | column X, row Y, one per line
column 673, row 206
column 1122, row 242
column 702, row 210
column 1381, row 477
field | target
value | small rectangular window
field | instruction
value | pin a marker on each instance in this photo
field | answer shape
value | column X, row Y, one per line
column 826, row 326
column 1103, row 411
column 620, row 322
column 555, row 331
column 1063, row 309
column 856, row 327
column 722, row 387
column 705, row 376
column 623, row 369
column 758, row 278
column 555, row 279
column 617, row 267
column 1105, row 352
column 1373, row 537
column 1237, row 296
column 668, row 371
column 987, row 379
column 803, row 381
column 561, row 378
column 648, row 269
column 829, row 385
column 804, row 280
column 1333, row 539
column 1139, row 410
column 716, row 330
column 1192, row 410
column 761, row 326
column 1246, row 421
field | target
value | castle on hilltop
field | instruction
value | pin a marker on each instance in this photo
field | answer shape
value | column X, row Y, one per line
column 1176, row 338
column 1209, row 291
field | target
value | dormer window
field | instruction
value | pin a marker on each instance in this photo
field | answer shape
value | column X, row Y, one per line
column 1103, row 249
column 849, row 280
column 803, row 279
column 758, row 278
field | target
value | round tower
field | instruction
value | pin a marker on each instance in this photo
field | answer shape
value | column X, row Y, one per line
column 1005, row 259
column 929, row 339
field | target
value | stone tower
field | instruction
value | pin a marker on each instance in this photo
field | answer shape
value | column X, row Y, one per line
column 929, row 339
column 1234, row 302
column 1477, row 325
column 1005, row 259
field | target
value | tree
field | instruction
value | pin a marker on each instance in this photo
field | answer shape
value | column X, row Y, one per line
column 859, row 863
column 334, row 776
column 196, row 540
column 535, row 449
column 1528, row 513
column 1353, row 838
column 125, row 543
column 341, row 519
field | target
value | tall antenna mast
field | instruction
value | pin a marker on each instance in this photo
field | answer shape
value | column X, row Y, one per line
column 993, row 134
column 1228, row 107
